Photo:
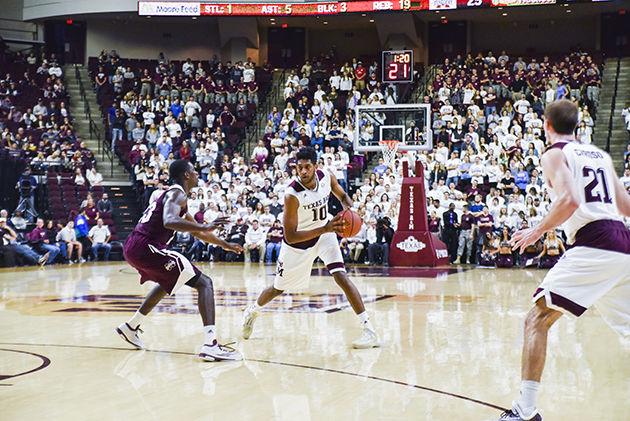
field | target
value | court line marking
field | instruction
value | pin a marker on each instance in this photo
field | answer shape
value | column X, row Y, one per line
column 45, row 363
column 309, row 367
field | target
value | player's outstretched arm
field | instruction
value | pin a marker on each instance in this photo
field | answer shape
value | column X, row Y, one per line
column 339, row 192
column 290, row 222
column 173, row 205
column 557, row 172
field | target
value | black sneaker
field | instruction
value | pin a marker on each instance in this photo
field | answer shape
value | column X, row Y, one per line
column 513, row 415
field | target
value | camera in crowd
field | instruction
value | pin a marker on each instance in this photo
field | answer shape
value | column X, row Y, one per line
column 383, row 222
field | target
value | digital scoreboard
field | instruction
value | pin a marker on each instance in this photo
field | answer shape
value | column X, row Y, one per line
column 317, row 8
column 397, row 66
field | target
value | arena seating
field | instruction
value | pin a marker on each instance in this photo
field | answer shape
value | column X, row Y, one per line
column 37, row 130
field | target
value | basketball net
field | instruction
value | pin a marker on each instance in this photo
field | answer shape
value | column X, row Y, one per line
column 389, row 149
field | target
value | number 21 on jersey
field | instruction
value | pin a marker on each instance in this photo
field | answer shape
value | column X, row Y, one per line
column 598, row 177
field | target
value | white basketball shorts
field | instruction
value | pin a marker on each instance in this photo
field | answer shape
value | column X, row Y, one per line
column 586, row 277
column 294, row 264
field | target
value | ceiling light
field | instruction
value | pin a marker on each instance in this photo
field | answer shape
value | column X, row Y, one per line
column 325, row 22
column 194, row 17
column 503, row 14
column 272, row 19
column 363, row 14
column 371, row 20
column 568, row 10
column 273, row 23
column 443, row 17
column 500, row 8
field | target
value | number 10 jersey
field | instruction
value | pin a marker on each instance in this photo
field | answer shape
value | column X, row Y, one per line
column 593, row 174
column 313, row 204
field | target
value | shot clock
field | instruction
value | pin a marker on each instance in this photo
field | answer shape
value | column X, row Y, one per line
column 397, row 66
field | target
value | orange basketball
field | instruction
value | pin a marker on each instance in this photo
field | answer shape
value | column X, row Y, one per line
column 353, row 223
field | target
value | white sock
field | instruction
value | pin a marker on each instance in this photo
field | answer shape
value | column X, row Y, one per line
column 136, row 320
column 210, row 333
column 364, row 318
column 527, row 400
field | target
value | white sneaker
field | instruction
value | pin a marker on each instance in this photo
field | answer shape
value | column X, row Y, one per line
column 216, row 352
column 249, row 317
column 82, row 260
column 131, row 336
column 368, row 339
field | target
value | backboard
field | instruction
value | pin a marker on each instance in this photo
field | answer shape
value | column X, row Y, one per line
column 410, row 124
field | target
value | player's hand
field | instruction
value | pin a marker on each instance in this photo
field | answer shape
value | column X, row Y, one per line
column 337, row 224
column 234, row 247
column 218, row 223
column 523, row 238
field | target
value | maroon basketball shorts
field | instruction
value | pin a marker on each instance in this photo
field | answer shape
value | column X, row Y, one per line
column 156, row 263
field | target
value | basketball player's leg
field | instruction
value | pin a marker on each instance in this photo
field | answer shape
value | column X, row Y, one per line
column 267, row 295
column 350, row 291
column 574, row 284
column 293, row 272
column 330, row 253
column 211, row 350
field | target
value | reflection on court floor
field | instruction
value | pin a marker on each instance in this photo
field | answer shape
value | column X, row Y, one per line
column 451, row 349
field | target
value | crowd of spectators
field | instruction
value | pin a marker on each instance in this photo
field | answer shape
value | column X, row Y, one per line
column 160, row 110
column 484, row 174
column 36, row 129
column 484, row 178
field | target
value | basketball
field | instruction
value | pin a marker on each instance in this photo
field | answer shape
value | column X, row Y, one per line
column 353, row 223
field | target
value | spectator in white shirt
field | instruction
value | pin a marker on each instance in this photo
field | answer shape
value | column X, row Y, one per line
column 100, row 235
column 255, row 240
column 69, row 237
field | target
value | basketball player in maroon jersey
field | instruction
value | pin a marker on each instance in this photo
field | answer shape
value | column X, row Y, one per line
column 146, row 250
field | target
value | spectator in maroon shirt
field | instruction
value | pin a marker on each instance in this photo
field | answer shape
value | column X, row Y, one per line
column 39, row 240
column 199, row 215
column 360, row 74
column 184, row 151
column 274, row 241
column 226, row 119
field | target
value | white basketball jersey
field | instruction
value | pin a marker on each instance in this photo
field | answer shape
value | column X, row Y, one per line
column 313, row 204
column 593, row 172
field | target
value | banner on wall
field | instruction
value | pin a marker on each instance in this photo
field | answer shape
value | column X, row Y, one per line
column 163, row 8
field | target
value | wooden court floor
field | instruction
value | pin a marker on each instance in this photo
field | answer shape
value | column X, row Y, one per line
column 451, row 350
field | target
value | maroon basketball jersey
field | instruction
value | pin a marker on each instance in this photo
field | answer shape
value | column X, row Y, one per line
column 151, row 224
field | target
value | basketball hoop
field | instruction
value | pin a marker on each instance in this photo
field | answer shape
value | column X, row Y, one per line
column 389, row 149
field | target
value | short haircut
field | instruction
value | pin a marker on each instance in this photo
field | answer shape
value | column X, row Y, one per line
column 178, row 168
column 307, row 154
column 563, row 116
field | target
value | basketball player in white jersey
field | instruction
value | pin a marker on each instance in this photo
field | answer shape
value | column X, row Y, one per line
column 589, row 202
column 310, row 232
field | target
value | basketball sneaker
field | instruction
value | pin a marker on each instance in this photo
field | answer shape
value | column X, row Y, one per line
column 249, row 317
column 368, row 339
column 217, row 352
column 516, row 414
column 131, row 336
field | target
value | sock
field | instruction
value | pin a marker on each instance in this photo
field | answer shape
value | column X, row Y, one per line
column 210, row 333
column 136, row 319
column 364, row 318
column 527, row 400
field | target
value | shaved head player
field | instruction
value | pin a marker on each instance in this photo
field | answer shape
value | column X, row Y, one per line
column 309, row 232
column 589, row 201
column 146, row 250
